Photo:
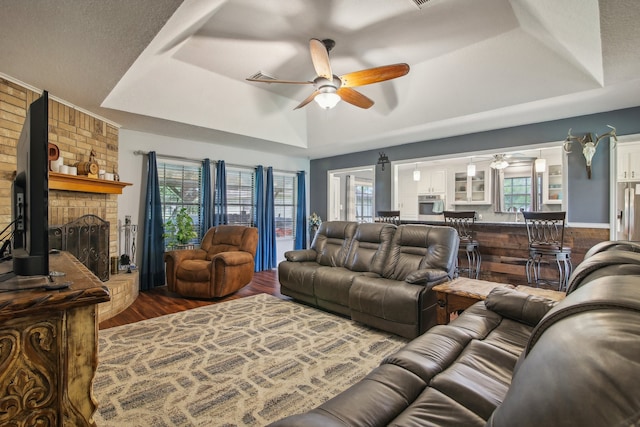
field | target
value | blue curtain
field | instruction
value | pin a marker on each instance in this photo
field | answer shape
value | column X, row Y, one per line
column 270, row 258
column 258, row 220
column 220, row 195
column 301, row 214
column 206, row 204
column 152, row 265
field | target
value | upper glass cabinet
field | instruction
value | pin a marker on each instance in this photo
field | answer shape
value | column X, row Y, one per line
column 471, row 189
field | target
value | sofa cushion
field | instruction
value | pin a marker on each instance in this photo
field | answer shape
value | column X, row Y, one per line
column 332, row 242
column 374, row 401
column 433, row 408
column 370, row 247
column 226, row 238
column 419, row 247
column 194, row 270
column 331, row 287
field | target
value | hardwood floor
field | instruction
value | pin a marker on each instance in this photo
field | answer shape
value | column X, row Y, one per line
column 159, row 301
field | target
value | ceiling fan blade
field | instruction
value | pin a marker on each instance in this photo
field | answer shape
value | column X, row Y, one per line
column 354, row 97
column 291, row 82
column 308, row 99
column 374, row 75
column 320, row 59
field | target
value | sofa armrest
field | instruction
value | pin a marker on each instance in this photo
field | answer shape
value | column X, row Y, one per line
column 516, row 305
column 173, row 259
column 301, row 255
column 426, row 276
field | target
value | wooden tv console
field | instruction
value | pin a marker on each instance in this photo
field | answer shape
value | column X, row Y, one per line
column 49, row 347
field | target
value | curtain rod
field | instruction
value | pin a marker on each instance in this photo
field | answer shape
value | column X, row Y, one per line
column 189, row 159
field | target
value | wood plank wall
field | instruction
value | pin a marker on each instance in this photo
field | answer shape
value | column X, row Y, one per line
column 504, row 250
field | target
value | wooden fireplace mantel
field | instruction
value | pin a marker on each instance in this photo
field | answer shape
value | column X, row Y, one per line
column 61, row 181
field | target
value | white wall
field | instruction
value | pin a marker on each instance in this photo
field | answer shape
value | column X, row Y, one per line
column 132, row 167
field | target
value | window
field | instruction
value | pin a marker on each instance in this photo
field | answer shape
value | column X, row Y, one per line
column 180, row 187
column 240, row 203
column 517, row 193
column 284, row 206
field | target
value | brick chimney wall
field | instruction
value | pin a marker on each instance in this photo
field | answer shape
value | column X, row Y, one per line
column 75, row 133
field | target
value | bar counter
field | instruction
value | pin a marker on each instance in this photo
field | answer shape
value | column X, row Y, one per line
column 504, row 247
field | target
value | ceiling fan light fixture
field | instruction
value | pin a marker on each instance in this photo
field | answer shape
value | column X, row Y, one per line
column 327, row 100
column 499, row 162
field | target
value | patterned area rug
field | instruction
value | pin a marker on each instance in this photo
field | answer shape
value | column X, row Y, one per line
column 249, row 361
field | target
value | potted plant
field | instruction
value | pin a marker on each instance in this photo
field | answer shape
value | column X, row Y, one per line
column 179, row 231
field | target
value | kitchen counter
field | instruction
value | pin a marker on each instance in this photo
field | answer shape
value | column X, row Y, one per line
column 478, row 222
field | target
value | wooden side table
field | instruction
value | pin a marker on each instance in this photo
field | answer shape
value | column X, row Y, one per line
column 461, row 293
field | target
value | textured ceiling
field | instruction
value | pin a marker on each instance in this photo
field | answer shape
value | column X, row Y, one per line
column 179, row 68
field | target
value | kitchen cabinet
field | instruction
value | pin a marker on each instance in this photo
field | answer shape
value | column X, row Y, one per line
column 552, row 185
column 472, row 190
column 432, row 181
column 407, row 195
column 628, row 162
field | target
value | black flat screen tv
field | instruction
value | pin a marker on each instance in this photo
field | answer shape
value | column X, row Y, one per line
column 30, row 195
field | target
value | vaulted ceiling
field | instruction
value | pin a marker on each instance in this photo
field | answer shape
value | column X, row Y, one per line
column 179, row 68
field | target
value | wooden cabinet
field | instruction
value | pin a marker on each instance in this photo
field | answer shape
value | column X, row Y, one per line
column 552, row 185
column 628, row 162
column 471, row 190
column 432, row 181
column 50, row 347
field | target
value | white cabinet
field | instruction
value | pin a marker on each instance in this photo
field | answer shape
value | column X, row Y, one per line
column 471, row 190
column 628, row 162
column 552, row 185
column 407, row 200
column 432, row 181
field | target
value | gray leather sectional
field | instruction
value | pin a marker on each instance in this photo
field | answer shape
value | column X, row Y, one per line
column 514, row 360
column 378, row 274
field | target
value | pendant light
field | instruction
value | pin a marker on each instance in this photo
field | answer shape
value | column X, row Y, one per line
column 416, row 174
column 471, row 168
column 540, row 164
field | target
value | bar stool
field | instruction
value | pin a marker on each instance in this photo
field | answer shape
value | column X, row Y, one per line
column 463, row 222
column 546, row 240
column 391, row 217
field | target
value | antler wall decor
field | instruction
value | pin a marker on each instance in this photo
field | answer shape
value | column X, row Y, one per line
column 589, row 147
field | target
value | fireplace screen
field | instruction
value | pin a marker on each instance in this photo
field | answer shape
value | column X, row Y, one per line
column 87, row 238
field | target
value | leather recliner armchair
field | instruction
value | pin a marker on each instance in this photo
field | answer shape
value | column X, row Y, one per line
column 223, row 264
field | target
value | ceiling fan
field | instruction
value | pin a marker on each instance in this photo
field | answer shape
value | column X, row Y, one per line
column 329, row 88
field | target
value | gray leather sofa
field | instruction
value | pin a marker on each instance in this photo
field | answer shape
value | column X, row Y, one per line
column 379, row 274
column 514, row 360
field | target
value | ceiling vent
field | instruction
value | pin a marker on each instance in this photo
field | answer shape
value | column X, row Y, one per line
column 420, row 3
column 262, row 76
